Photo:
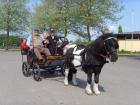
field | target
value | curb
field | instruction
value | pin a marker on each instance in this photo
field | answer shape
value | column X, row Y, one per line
column 9, row 50
column 129, row 55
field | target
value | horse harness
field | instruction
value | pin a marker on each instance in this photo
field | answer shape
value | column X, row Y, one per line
column 82, row 54
column 108, row 53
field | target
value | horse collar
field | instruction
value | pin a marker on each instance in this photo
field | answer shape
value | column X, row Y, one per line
column 110, row 38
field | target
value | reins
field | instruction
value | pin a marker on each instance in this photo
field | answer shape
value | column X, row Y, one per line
column 104, row 56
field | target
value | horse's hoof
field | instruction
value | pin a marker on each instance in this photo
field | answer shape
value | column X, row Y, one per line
column 89, row 93
column 66, row 84
column 97, row 93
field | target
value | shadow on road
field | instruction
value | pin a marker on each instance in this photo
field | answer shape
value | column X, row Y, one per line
column 56, row 76
column 82, row 84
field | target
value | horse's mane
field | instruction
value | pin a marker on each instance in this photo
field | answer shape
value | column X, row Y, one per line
column 97, row 45
column 104, row 36
column 95, row 49
column 101, row 38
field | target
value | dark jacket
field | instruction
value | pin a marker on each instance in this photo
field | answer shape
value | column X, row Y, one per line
column 53, row 44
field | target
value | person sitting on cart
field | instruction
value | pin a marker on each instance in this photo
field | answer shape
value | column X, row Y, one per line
column 53, row 41
column 46, row 41
column 34, row 42
column 23, row 45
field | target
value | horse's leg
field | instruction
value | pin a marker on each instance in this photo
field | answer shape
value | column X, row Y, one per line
column 89, row 84
column 66, row 77
column 74, row 81
column 70, row 75
column 96, row 82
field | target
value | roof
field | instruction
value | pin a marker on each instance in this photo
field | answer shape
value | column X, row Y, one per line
column 128, row 33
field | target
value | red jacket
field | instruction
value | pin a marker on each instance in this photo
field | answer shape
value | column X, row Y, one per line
column 23, row 44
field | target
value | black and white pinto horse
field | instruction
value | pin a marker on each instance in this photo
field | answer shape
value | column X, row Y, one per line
column 91, row 58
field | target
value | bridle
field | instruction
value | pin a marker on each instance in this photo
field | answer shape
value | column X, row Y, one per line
column 108, row 52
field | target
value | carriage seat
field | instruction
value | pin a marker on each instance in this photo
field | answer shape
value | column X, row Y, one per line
column 55, row 57
column 26, row 52
column 52, row 57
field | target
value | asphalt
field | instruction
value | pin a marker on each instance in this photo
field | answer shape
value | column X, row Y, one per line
column 119, row 85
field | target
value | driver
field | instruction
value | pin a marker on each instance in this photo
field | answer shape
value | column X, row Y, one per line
column 53, row 41
column 35, row 42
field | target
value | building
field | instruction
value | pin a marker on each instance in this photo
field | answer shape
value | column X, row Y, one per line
column 129, row 41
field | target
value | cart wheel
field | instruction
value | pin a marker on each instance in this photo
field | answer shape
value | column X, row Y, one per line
column 36, row 72
column 25, row 69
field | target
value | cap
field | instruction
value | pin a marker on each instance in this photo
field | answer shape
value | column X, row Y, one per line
column 52, row 30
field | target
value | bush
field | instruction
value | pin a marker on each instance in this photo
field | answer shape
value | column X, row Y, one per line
column 123, row 51
column 128, row 52
column 14, row 41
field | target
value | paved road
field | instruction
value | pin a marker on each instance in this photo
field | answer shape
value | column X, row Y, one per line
column 119, row 83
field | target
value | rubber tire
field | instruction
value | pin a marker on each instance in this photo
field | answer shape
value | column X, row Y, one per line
column 25, row 69
column 36, row 72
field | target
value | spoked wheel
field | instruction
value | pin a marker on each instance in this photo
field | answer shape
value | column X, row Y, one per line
column 36, row 72
column 25, row 69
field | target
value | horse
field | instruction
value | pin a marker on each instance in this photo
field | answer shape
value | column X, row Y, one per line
column 91, row 59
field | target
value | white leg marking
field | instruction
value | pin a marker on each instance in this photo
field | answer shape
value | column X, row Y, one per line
column 96, row 90
column 88, row 89
column 74, row 79
column 66, row 77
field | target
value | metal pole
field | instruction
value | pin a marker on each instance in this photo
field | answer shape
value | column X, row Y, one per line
column 132, row 20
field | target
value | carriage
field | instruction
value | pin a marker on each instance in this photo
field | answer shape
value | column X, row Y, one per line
column 31, row 65
column 91, row 58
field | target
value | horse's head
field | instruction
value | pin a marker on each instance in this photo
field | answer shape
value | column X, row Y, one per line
column 110, row 44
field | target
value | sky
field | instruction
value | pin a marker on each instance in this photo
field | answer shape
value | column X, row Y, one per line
column 33, row 3
column 130, row 15
column 130, row 20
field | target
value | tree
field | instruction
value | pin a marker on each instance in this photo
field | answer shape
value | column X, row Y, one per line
column 14, row 17
column 54, row 13
column 93, row 13
column 40, row 18
column 65, row 12
column 77, row 16
column 120, row 30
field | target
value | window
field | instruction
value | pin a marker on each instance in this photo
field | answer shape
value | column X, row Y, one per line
column 136, row 37
column 128, row 37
